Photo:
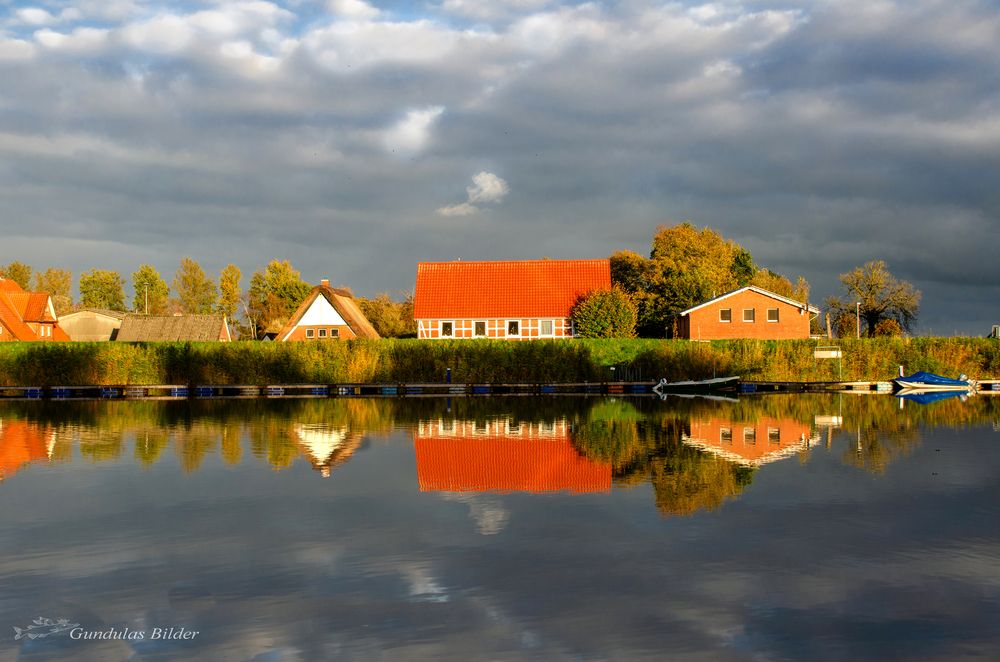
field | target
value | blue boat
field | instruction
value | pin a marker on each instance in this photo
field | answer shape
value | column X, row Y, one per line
column 928, row 381
column 926, row 397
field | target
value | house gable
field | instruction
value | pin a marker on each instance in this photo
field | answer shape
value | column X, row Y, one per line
column 321, row 313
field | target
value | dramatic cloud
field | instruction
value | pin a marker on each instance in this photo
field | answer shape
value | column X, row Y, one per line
column 486, row 187
column 818, row 134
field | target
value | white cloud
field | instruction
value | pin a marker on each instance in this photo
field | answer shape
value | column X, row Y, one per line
column 411, row 134
column 486, row 187
column 355, row 9
column 34, row 16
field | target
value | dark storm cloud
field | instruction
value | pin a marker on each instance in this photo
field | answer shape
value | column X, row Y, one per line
column 820, row 135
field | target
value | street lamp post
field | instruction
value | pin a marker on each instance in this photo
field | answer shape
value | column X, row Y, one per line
column 858, row 312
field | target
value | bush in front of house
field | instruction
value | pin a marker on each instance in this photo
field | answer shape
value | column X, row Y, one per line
column 605, row 314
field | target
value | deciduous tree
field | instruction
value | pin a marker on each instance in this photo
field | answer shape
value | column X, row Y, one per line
column 274, row 295
column 101, row 288
column 195, row 291
column 605, row 314
column 229, row 291
column 18, row 272
column 57, row 283
column 392, row 319
column 882, row 297
column 151, row 291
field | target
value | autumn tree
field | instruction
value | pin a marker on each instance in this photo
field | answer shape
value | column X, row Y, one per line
column 605, row 314
column 101, row 288
column 229, row 291
column 881, row 296
column 18, row 272
column 392, row 319
column 195, row 291
column 775, row 282
column 57, row 283
column 151, row 292
column 274, row 295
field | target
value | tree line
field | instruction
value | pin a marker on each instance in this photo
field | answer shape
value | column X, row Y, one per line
column 274, row 293
column 686, row 266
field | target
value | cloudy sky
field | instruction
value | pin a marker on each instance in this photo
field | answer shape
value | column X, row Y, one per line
column 356, row 139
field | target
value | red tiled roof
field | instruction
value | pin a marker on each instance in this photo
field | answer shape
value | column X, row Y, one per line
column 529, row 288
column 11, row 320
column 505, row 464
column 7, row 285
column 18, row 307
column 31, row 306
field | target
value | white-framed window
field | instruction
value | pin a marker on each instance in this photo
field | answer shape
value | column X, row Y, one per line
column 479, row 329
column 322, row 333
column 513, row 327
column 774, row 435
column 447, row 329
column 726, row 315
column 772, row 314
column 334, row 333
column 547, row 328
column 310, row 333
column 750, row 436
column 726, row 436
column 749, row 314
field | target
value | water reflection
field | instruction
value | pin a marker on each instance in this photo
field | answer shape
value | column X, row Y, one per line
column 23, row 443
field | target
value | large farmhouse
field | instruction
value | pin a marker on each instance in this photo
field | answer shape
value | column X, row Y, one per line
column 749, row 312
column 27, row 316
column 515, row 300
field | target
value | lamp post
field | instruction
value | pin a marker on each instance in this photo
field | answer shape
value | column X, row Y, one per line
column 858, row 312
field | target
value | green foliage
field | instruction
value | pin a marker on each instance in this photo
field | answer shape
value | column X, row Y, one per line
column 229, row 291
column 18, row 272
column 151, row 291
column 57, row 283
column 390, row 318
column 101, row 288
column 274, row 295
column 196, row 291
column 605, row 314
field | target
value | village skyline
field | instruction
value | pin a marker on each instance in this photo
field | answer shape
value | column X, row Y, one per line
column 356, row 138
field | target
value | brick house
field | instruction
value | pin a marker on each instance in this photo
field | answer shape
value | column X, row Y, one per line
column 327, row 314
column 27, row 316
column 515, row 300
column 749, row 312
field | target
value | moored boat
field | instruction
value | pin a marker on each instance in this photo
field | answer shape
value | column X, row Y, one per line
column 928, row 381
column 698, row 386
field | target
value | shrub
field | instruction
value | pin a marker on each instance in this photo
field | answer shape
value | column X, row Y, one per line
column 605, row 314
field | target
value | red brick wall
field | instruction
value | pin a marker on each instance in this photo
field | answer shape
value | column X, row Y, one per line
column 704, row 324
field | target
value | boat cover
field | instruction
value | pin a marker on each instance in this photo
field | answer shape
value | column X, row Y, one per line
column 931, row 379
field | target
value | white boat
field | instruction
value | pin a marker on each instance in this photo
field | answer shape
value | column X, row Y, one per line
column 697, row 386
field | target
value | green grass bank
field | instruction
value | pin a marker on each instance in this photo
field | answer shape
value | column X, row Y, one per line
column 373, row 361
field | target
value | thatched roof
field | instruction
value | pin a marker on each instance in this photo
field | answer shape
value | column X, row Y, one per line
column 343, row 303
column 160, row 328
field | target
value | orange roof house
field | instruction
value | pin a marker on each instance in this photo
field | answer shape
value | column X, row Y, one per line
column 327, row 314
column 27, row 316
column 750, row 443
column 503, row 456
column 22, row 443
column 514, row 300
column 749, row 312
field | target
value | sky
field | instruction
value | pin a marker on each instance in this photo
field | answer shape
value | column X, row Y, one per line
column 356, row 139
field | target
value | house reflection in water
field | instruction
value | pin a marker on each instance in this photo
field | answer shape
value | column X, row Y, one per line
column 326, row 446
column 22, row 443
column 750, row 443
column 503, row 455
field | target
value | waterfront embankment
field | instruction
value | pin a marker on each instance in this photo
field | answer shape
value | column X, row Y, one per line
column 484, row 361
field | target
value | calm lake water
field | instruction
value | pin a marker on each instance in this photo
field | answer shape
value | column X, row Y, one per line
column 772, row 528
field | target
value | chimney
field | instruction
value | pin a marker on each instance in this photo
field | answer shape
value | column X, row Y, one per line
column 325, row 282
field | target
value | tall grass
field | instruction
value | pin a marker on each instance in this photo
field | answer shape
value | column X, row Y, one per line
column 482, row 361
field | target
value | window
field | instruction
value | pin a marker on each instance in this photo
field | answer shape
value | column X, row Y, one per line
column 447, row 329
column 726, row 436
column 480, row 329
column 513, row 328
column 750, row 436
column 749, row 314
column 547, row 328
column 310, row 333
column 334, row 333
column 725, row 314
column 774, row 435
column 772, row 314
column 322, row 333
